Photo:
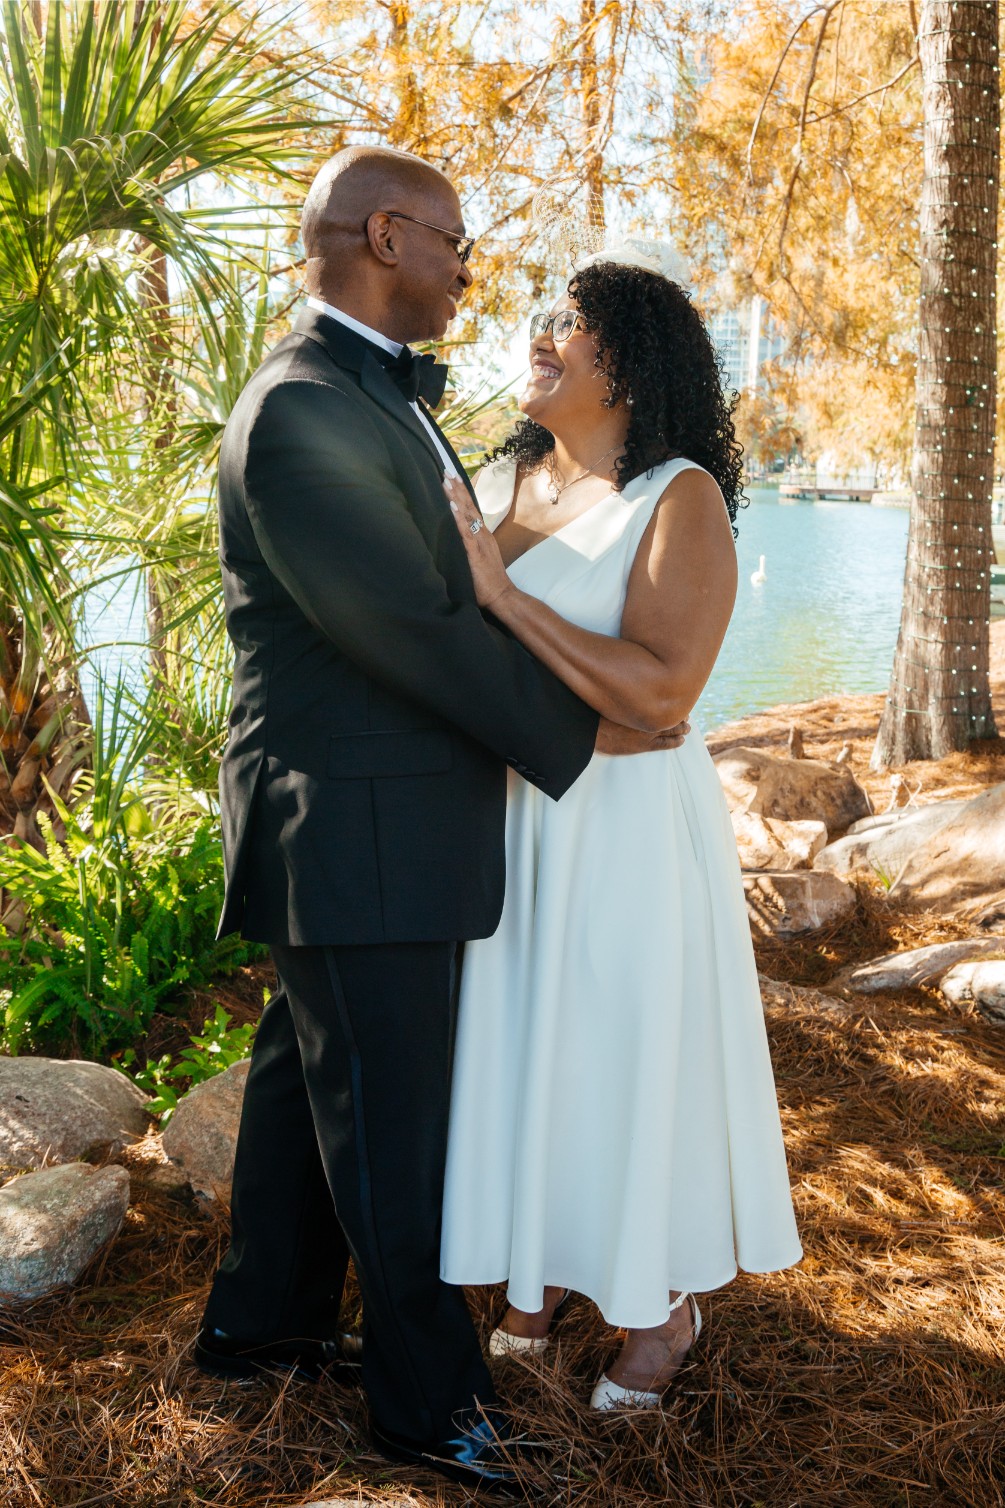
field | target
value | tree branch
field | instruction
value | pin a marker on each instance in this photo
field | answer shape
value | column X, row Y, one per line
column 771, row 87
column 839, row 110
column 798, row 150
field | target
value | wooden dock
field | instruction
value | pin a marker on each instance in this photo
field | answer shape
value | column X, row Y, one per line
column 810, row 493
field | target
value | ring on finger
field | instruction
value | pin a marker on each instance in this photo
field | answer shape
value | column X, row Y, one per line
column 475, row 525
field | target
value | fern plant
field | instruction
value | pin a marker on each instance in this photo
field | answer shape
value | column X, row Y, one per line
column 120, row 908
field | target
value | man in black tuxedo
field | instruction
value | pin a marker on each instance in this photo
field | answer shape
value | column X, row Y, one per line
column 375, row 710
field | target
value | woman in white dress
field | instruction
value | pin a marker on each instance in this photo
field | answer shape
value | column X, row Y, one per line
column 614, row 1126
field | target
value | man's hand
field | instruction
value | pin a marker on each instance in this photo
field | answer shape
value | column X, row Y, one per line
column 612, row 738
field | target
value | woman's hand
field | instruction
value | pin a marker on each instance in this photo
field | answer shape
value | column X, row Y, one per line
column 487, row 569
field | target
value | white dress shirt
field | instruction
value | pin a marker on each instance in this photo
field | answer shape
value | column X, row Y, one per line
column 395, row 348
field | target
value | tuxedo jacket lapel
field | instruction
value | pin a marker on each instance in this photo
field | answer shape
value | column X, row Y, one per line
column 352, row 352
column 384, row 390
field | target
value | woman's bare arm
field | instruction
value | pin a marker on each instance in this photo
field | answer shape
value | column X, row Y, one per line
column 680, row 596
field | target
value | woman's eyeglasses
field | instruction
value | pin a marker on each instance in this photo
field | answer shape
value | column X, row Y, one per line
column 561, row 324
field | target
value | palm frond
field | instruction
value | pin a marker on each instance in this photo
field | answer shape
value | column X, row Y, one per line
column 107, row 126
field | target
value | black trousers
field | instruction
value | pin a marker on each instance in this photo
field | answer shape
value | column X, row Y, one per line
column 341, row 1153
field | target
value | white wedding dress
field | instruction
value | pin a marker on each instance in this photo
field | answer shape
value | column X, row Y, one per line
column 613, row 1126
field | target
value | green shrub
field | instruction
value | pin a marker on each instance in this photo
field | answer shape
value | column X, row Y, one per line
column 115, row 926
column 218, row 1047
column 122, row 911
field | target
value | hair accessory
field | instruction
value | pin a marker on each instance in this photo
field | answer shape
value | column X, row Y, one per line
column 569, row 221
column 570, row 225
column 651, row 256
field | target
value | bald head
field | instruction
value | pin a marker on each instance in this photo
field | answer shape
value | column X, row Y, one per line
column 353, row 185
column 381, row 231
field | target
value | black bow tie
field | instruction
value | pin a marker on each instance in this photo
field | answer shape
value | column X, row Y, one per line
column 418, row 376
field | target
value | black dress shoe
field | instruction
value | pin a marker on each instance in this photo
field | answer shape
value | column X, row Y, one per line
column 482, row 1454
column 223, row 1355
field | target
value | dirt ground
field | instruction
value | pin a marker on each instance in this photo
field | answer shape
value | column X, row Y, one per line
column 869, row 1376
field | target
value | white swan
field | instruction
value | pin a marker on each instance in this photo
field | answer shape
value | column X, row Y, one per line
column 760, row 574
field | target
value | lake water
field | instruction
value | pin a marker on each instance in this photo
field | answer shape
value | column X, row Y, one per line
column 824, row 621
column 826, row 618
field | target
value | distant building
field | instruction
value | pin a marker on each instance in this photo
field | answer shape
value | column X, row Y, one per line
column 746, row 338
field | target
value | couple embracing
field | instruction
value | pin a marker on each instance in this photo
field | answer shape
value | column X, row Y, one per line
column 459, row 724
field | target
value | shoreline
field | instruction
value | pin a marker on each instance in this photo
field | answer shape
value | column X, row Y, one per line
column 882, row 497
column 827, row 723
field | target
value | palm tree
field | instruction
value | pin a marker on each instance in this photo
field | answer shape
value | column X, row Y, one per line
column 40, row 713
column 115, row 117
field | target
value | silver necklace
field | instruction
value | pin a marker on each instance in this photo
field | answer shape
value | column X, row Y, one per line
column 555, row 489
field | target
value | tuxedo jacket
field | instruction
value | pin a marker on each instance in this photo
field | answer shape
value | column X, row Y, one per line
column 375, row 708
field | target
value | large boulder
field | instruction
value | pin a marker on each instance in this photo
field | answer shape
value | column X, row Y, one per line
column 960, row 865
column 53, row 1222
column 879, row 847
column 791, row 790
column 201, row 1136
column 982, row 982
column 914, row 966
column 767, row 843
column 789, row 904
column 53, row 1110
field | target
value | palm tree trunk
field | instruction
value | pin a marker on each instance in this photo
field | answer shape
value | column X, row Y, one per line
column 44, row 732
column 940, row 697
column 161, row 406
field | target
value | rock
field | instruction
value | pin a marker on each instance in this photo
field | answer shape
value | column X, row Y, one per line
column 900, row 792
column 879, row 847
column 53, row 1222
column 989, row 915
column 781, row 998
column 766, row 843
column 792, row 790
column 201, row 1136
column 788, row 904
column 981, row 982
column 915, row 966
column 58, row 1111
column 962, row 863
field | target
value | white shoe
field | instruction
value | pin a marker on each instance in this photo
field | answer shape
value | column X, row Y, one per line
column 611, row 1395
column 501, row 1343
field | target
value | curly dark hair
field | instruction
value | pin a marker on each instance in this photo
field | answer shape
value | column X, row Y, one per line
column 652, row 345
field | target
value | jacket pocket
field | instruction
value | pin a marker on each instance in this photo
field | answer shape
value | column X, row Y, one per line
column 359, row 756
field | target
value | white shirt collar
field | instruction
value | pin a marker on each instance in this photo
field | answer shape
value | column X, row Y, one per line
column 354, row 324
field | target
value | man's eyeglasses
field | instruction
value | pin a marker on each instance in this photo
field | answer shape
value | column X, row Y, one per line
column 463, row 245
column 561, row 324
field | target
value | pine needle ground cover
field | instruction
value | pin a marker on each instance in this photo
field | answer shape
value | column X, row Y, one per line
column 870, row 1376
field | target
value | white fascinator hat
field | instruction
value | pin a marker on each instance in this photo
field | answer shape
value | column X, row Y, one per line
column 573, row 233
column 659, row 257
